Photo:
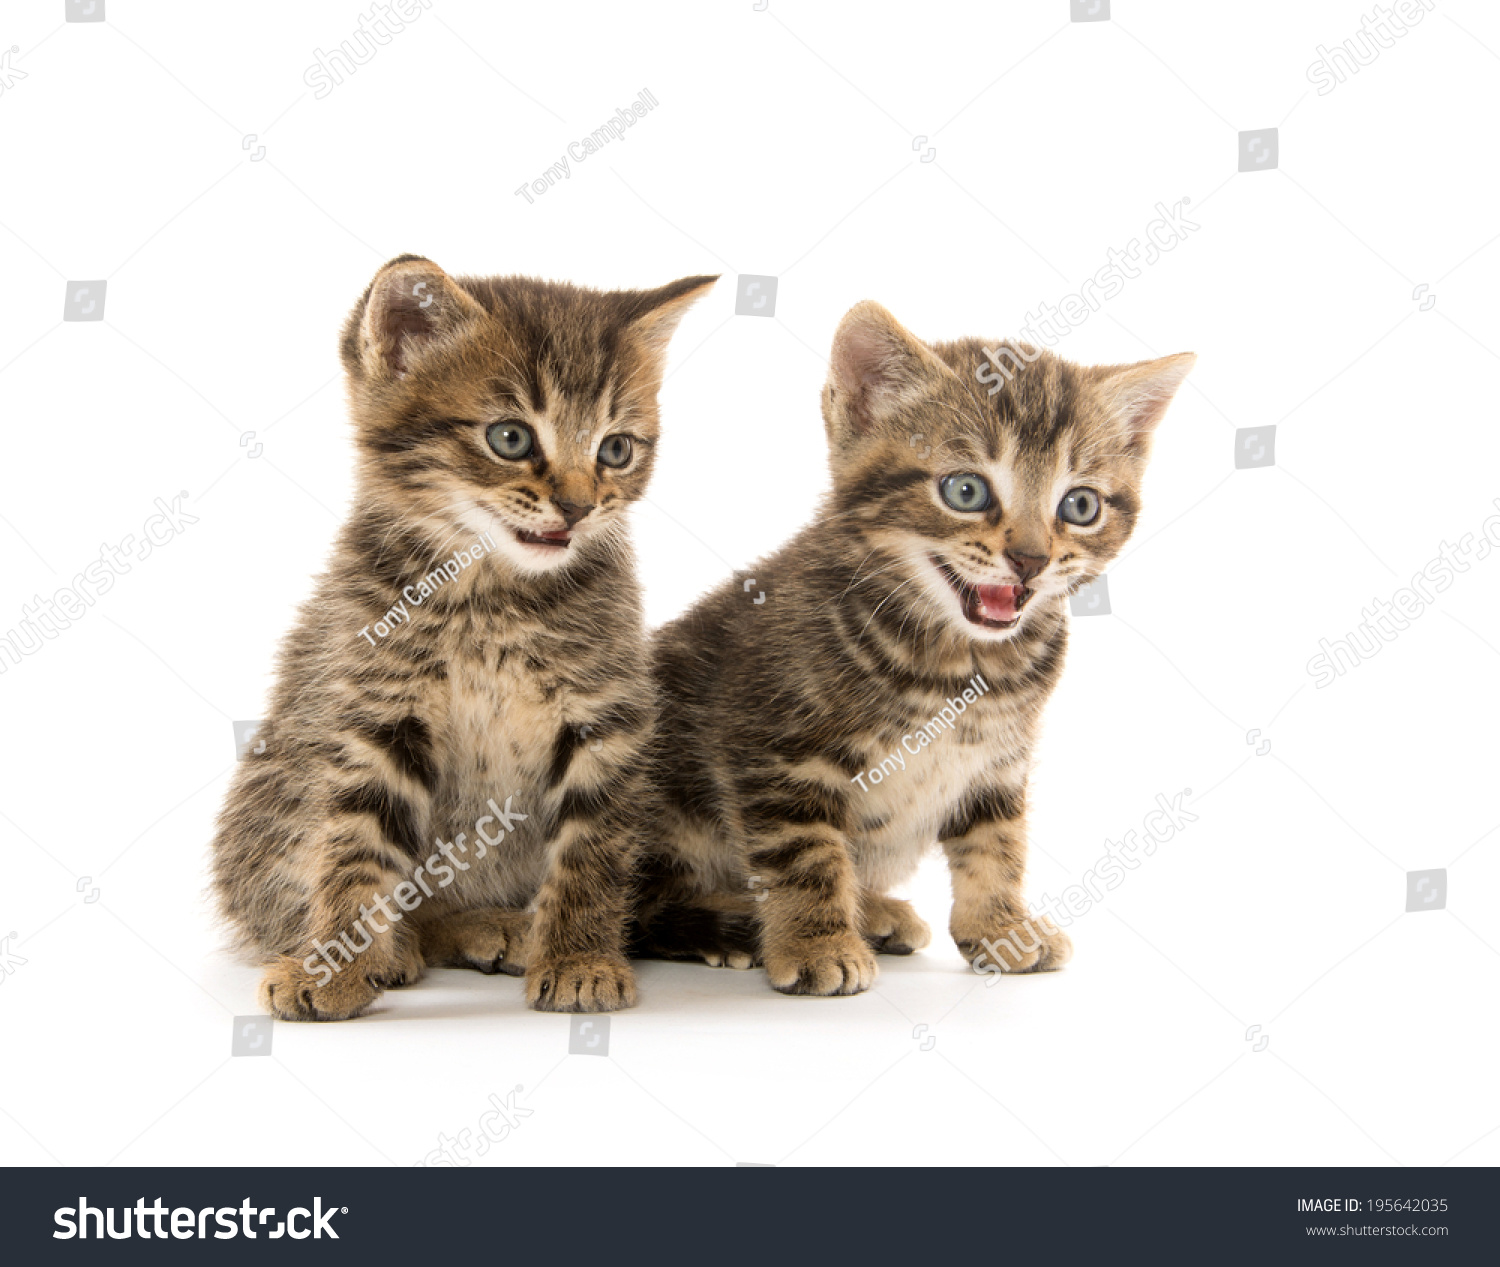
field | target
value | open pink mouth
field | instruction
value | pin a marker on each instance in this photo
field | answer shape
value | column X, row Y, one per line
column 988, row 606
column 551, row 540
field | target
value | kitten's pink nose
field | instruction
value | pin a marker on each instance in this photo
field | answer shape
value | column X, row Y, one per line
column 572, row 512
column 1026, row 565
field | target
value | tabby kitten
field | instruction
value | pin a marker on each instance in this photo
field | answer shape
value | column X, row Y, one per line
column 889, row 690
column 451, row 769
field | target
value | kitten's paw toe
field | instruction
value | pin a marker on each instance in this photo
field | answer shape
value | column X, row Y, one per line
column 396, row 966
column 893, row 927
column 1021, row 947
column 580, row 984
column 490, row 940
column 290, row 993
column 833, row 966
column 727, row 959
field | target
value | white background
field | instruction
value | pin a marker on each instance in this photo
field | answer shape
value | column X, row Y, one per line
column 784, row 144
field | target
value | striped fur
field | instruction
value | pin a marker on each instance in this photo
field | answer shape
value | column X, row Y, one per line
column 776, row 715
column 513, row 694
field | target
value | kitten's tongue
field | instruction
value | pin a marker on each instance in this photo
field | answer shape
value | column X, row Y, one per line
column 997, row 602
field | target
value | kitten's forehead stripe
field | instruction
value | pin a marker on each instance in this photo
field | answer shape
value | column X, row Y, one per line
column 510, row 398
column 608, row 351
column 1038, row 402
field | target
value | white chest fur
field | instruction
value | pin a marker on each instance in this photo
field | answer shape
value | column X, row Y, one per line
column 919, row 777
column 497, row 740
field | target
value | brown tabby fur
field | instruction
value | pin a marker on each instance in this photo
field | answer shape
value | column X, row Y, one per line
column 769, row 850
column 521, row 681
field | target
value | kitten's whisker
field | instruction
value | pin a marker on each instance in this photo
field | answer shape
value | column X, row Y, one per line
column 859, row 580
column 881, row 604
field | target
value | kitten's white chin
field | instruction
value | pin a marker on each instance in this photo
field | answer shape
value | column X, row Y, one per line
column 528, row 557
column 535, row 558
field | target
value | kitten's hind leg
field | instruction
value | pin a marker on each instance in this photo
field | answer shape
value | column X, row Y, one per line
column 718, row 930
column 891, row 925
column 491, row 939
column 729, row 936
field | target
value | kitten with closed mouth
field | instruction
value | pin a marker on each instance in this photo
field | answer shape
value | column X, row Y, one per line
column 546, row 529
column 473, row 655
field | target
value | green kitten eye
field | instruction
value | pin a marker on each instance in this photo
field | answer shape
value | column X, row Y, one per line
column 616, row 450
column 511, row 440
column 1080, row 506
column 967, row 493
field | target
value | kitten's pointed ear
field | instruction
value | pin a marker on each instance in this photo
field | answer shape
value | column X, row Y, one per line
column 878, row 367
column 1137, row 395
column 653, row 315
column 411, row 307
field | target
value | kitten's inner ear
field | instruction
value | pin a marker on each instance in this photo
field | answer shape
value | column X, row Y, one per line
column 876, row 369
column 653, row 315
column 1137, row 396
column 412, row 306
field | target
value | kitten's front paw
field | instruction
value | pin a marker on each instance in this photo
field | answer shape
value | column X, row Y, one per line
column 580, row 983
column 1028, row 946
column 823, row 966
column 290, row 992
column 892, row 926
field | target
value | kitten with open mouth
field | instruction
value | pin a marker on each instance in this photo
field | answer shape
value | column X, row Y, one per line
column 988, row 605
column 925, row 608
